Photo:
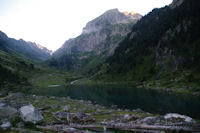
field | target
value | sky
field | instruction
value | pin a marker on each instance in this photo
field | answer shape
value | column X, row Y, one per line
column 51, row 22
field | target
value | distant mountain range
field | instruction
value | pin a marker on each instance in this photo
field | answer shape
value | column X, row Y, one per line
column 23, row 48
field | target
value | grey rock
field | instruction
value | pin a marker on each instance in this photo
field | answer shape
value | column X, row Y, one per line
column 20, row 124
column 98, row 110
column 148, row 120
column 71, row 130
column 127, row 117
column 54, row 106
column 16, row 100
column 7, row 112
column 196, row 94
column 139, row 110
column 30, row 114
column 89, row 102
column 152, row 120
column 114, row 106
column 4, row 92
column 5, row 125
column 2, row 105
column 168, row 90
column 172, row 116
column 17, row 95
column 62, row 114
column 80, row 114
column 66, row 108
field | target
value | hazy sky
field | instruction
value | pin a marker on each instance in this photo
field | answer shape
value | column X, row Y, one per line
column 51, row 22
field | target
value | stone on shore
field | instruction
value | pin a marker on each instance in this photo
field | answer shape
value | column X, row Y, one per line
column 66, row 108
column 5, row 125
column 185, row 118
column 7, row 112
column 30, row 114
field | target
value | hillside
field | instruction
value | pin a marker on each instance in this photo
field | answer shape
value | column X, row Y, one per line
column 98, row 41
column 23, row 49
column 160, row 51
column 13, row 71
column 18, row 59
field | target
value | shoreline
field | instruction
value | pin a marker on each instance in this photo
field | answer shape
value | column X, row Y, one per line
column 62, row 113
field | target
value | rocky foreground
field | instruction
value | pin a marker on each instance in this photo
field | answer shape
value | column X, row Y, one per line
column 31, row 113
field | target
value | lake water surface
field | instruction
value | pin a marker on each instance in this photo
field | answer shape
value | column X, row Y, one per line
column 129, row 97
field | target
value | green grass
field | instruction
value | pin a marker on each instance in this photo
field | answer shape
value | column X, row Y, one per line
column 176, row 82
column 44, row 78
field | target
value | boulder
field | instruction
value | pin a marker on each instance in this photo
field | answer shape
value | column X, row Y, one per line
column 5, row 125
column 2, row 105
column 30, row 114
column 16, row 100
column 61, row 115
column 138, row 110
column 152, row 120
column 80, row 114
column 7, row 112
column 66, row 108
column 127, row 117
column 53, row 106
column 149, row 120
column 175, row 116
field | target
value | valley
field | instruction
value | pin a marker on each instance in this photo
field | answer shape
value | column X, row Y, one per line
column 124, row 73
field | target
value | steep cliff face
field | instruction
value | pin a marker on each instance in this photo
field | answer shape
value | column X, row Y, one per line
column 95, row 41
column 22, row 48
column 98, row 40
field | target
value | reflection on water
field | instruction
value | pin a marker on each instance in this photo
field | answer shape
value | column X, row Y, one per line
column 130, row 97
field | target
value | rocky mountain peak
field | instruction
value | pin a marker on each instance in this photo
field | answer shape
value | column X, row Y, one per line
column 43, row 48
column 98, row 41
column 133, row 13
column 110, row 17
column 112, row 11
column 129, row 13
column 126, row 13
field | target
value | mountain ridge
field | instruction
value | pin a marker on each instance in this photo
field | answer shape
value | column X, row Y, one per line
column 110, row 17
column 99, row 39
column 28, row 49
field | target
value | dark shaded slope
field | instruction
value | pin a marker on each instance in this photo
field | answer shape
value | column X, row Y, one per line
column 176, row 30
